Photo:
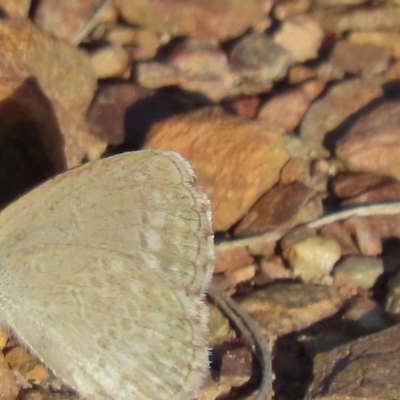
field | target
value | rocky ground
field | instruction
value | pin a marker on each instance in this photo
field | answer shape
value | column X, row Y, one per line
column 287, row 111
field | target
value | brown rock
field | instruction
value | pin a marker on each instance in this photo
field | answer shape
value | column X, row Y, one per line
column 355, row 58
column 236, row 369
column 64, row 19
column 204, row 68
column 223, row 19
column 236, row 365
column 142, row 43
column 313, row 88
column 271, row 269
column 300, row 73
column 65, row 76
column 287, row 307
column 301, row 36
column 219, row 145
column 351, row 184
column 244, row 106
column 286, row 109
column 16, row 9
column 215, row 85
column 393, row 71
column 338, row 104
column 296, row 170
column 281, row 208
column 371, row 230
column 31, row 370
column 386, row 40
column 112, row 110
column 8, row 387
column 340, row 19
column 373, row 142
column 342, row 237
column 228, row 256
column 240, row 275
column 366, row 368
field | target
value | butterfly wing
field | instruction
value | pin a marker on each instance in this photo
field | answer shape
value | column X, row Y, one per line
column 103, row 269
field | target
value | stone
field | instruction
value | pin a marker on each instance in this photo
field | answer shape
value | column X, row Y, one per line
column 217, row 145
column 311, row 256
column 286, row 109
column 281, row 208
column 326, row 114
column 301, row 36
column 356, row 58
column 258, row 60
column 112, row 113
column 366, row 368
column 358, row 271
column 372, row 143
column 110, row 62
column 26, row 52
column 223, row 19
column 282, row 308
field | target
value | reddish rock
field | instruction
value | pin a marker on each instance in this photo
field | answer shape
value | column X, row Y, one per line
column 360, row 58
column 340, row 102
column 218, row 145
column 350, row 184
column 64, row 74
column 296, row 170
column 286, row 109
column 244, row 106
column 281, row 208
column 373, row 141
column 223, row 19
column 366, row 368
column 371, row 230
column 313, row 88
column 342, row 237
column 236, row 365
column 112, row 111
